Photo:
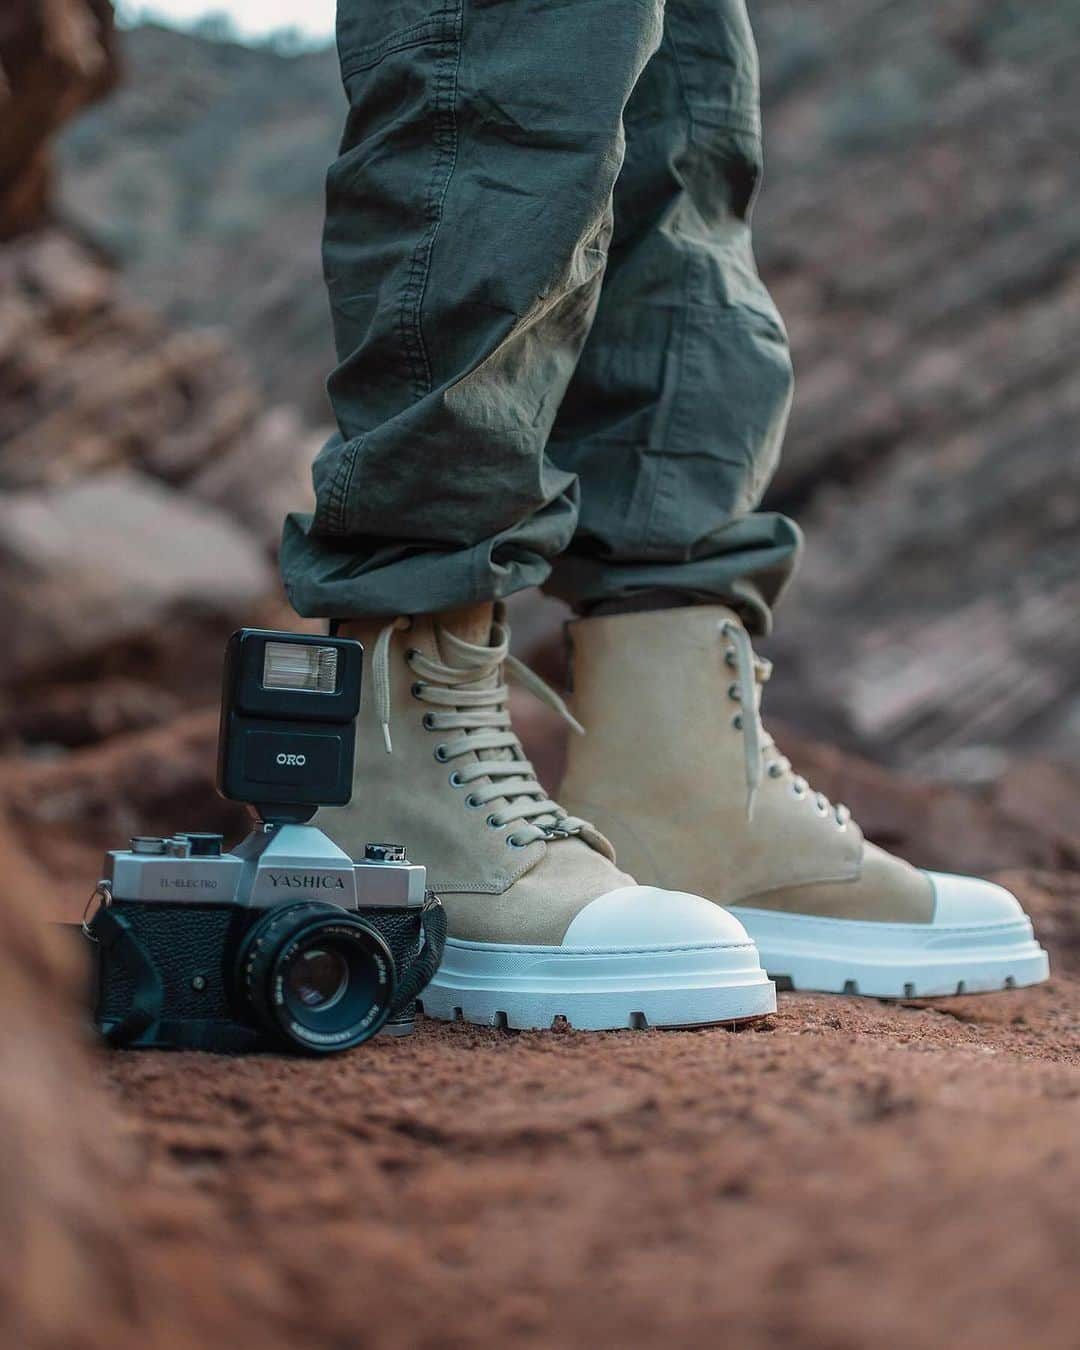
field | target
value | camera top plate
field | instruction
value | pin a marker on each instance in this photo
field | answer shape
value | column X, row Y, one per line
column 274, row 865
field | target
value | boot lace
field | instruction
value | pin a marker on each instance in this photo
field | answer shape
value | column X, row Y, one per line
column 463, row 700
column 760, row 752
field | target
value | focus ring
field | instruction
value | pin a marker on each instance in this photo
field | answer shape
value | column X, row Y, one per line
column 273, row 943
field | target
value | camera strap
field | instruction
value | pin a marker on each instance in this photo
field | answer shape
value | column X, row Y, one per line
column 421, row 971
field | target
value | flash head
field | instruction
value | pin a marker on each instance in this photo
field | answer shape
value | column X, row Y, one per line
column 300, row 666
column 288, row 722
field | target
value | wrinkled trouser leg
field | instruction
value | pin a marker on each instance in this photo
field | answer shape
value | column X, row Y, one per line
column 468, row 223
column 674, row 419
column 468, row 218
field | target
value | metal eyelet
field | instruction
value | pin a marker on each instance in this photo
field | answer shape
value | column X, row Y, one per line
column 411, row 654
column 775, row 771
column 416, row 689
column 440, row 753
column 429, row 722
column 736, row 721
column 456, row 780
column 822, row 811
column 729, row 658
column 492, row 823
column 471, row 802
column 511, row 842
column 797, row 790
column 734, row 693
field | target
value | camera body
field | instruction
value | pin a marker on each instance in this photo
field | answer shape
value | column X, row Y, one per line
column 285, row 942
column 250, row 948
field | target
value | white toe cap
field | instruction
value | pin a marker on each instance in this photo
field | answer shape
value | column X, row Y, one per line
column 646, row 916
column 968, row 900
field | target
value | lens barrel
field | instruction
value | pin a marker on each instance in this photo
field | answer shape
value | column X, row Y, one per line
column 317, row 978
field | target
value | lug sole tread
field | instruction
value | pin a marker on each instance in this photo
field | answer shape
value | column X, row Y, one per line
column 908, row 990
column 635, row 1021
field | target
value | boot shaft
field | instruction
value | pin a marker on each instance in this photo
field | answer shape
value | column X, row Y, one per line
column 653, row 688
column 670, row 771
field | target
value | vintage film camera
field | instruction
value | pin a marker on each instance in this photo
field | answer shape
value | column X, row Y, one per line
column 286, row 942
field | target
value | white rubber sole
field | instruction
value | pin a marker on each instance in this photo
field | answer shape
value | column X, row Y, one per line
column 894, row 960
column 599, row 989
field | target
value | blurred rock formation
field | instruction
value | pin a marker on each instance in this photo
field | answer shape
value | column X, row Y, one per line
column 135, row 529
column 56, row 56
column 105, row 557
column 921, row 230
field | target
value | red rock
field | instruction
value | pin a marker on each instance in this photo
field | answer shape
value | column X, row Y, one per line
column 115, row 557
column 56, row 56
column 266, row 474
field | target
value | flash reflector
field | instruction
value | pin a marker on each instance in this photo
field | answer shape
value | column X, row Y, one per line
column 289, row 665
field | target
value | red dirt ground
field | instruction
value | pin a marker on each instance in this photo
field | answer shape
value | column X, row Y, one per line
column 850, row 1173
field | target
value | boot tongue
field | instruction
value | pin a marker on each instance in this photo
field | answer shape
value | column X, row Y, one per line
column 470, row 624
column 471, row 627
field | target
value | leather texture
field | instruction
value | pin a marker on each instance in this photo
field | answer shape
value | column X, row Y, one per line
column 183, row 941
column 662, row 770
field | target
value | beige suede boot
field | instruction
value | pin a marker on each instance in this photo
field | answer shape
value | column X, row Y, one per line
column 542, row 924
column 678, row 770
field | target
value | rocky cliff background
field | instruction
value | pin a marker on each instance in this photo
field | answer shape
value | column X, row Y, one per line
column 162, row 346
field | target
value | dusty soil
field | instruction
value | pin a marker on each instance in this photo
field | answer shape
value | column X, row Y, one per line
column 848, row 1173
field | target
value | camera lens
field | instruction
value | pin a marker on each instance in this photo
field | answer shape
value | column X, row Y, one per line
column 316, row 977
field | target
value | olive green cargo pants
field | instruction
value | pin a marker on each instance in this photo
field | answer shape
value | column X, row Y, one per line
column 558, row 365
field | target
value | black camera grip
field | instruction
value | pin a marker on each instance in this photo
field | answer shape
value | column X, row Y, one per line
column 421, row 970
column 113, row 932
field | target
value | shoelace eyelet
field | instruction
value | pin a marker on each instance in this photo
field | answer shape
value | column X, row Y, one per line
column 750, row 670
column 484, row 670
column 511, row 842
column 493, row 823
